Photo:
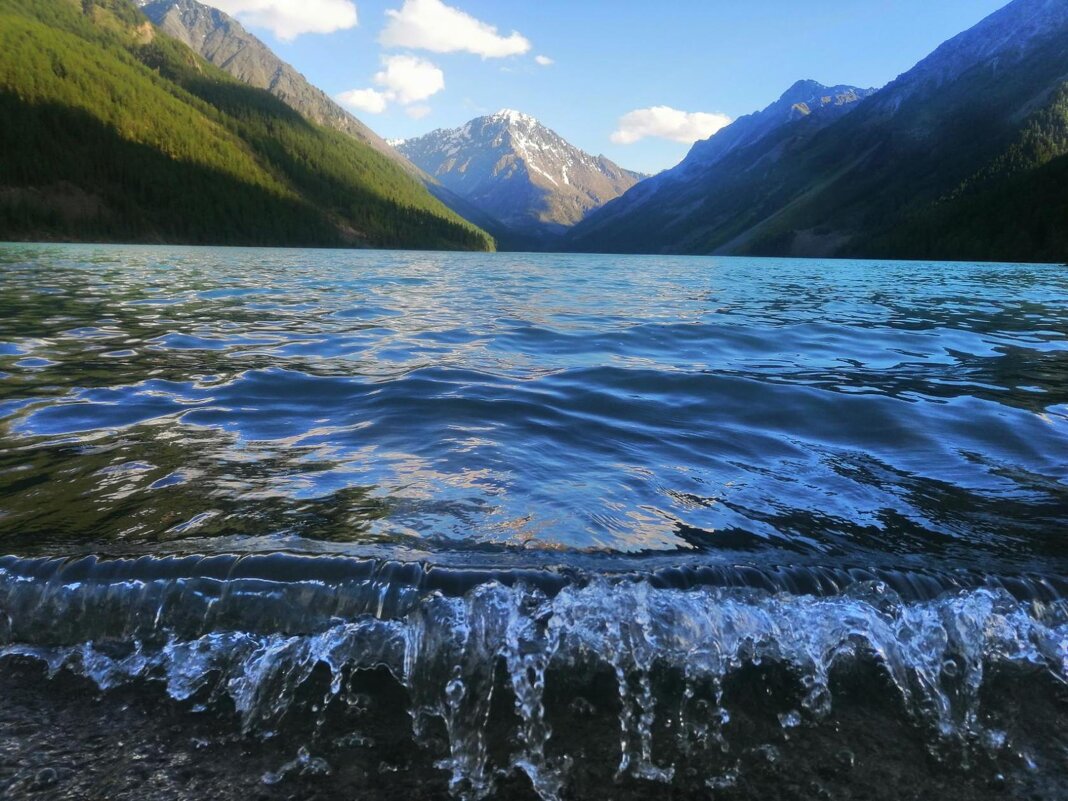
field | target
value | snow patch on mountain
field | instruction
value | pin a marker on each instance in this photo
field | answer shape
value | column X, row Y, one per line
column 518, row 170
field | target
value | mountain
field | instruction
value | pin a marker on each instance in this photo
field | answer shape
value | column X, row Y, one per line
column 517, row 170
column 961, row 157
column 665, row 201
column 804, row 100
column 221, row 40
column 114, row 130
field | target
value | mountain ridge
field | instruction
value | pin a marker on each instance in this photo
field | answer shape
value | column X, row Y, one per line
column 960, row 130
column 224, row 42
column 115, row 131
column 806, row 100
column 519, row 171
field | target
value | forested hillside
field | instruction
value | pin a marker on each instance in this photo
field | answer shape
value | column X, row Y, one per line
column 1017, row 207
column 114, row 131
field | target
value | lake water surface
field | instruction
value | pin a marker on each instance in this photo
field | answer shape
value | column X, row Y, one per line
column 593, row 523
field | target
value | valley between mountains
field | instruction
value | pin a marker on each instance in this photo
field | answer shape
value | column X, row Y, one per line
column 169, row 122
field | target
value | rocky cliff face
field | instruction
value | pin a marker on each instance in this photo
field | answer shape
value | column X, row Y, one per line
column 804, row 99
column 1001, row 40
column 519, row 171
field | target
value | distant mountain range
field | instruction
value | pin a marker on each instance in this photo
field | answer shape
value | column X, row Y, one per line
column 506, row 173
column 519, row 171
column 963, row 157
column 193, row 130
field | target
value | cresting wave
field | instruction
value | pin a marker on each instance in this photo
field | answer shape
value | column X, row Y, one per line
column 531, row 657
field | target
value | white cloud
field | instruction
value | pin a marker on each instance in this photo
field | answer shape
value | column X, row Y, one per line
column 370, row 100
column 408, row 79
column 544, row 61
column 404, row 80
column 665, row 122
column 288, row 19
column 432, row 25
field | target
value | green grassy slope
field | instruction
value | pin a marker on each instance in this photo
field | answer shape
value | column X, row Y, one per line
column 113, row 131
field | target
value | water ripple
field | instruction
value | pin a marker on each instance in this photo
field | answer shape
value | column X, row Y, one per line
column 559, row 403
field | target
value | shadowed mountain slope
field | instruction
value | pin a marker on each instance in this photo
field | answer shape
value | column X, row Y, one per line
column 959, row 158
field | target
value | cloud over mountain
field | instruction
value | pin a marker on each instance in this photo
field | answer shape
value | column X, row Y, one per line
column 432, row 25
column 664, row 122
column 408, row 79
column 288, row 19
column 404, row 80
column 370, row 101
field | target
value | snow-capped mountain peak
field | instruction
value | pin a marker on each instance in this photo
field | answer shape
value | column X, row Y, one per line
column 519, row 170
column 513, row 117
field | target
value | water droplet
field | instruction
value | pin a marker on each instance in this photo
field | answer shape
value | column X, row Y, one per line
column 790, row 720
column 845, row 758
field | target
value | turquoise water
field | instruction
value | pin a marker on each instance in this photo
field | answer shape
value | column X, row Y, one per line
column 714, row 450
column 203, row 398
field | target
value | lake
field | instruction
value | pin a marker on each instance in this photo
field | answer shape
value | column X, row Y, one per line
column 397, row 524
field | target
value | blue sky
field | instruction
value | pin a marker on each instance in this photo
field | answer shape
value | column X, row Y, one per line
column 438, row 63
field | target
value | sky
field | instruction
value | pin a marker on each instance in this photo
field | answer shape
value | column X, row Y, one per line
column 637, row 81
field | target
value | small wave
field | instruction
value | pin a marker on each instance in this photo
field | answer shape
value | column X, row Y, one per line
column 256, row 630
